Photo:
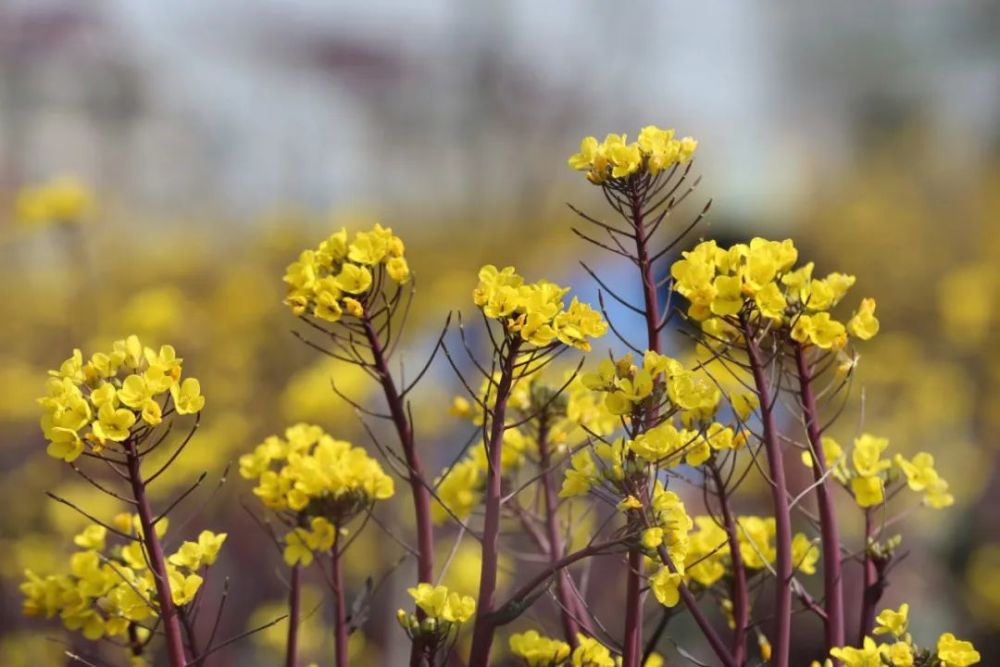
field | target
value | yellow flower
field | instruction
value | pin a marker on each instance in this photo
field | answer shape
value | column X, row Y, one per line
column 187, row 397
column 693, row 391
column 953, row 652
column 353, row 307
column 369, row 247
column 868, row 491
column 113, row 424
column 625, row 159
column 134, row 391
column 666, row 586
column 867, row 455
column 755, row 535
column 771, row 302
column 537, row 650
column 536, row 312
column 460, row 491
column 183, row 587
column 899, row 654
column 328, row 306
column 893, row 622
column 64, row 444
column 193, row 555
column 580, row 476
column 821, row 330
column 296, row 550
column 151, row 412
column 652, row 537
column 655, row 150
column 805, row 554
column 583, row 160
column 398, row 270
column 92, row 537
column 354, row 279
column 437, row 602
column 864, row 324
column 630, row 503
column 867, row 656
column 591, row 653
column 832, row 453
column 311, row 465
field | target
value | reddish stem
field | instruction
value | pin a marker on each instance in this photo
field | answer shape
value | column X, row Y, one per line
column 340, row 604
column 632, row 654
column 157, row 564
column 482, row 634
column 873, row 582
column 416, row 478
column 632, row 642
column 294, row 595
column 714, row 640
column 741, row 608
column 833, row 591
column 782, row 515
column 564, row 589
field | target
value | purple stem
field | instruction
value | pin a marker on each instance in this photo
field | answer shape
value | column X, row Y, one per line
column 564, row 592
column 157, row 563
column 483, row 631
column 741, row 608
column 416, row 479
column 340, row 604
column 294, row 595
column 833, row 590
column 782, row 515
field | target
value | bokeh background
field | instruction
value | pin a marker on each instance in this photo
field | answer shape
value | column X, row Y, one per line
column 218, row 139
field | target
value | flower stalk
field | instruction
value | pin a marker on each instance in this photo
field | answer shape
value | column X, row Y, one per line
column 833, row 593
column 564, row 585
column 416, row 478
column 781, row 645
column 172, row 630
column 738, row 589
column 341, row 631
column 633, row 598
column 482, row 637
column 294, row 612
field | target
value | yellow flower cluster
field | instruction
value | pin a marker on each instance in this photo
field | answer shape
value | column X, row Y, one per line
column 708, row 556
column 335, row 278
column 868, row 472
column 758, row 279
column 570, row 419
column 444, row 611
column 629, row 388
column 901, row 651
column 302, row 543
column 591, row 653
column 110, row 587
column 309, row 473
column 115, row 394
column 669, row 527
column 440, row 603
column 536, row 311
column 664, row 385
column 537, row 650
column 616, row 158
column 60, row 200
